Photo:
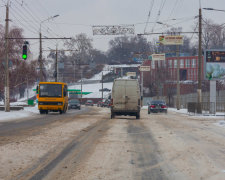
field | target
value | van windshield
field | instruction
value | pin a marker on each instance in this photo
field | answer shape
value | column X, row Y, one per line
column 50, row 90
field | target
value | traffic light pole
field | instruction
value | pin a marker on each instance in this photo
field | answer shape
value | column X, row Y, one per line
column 7, row 102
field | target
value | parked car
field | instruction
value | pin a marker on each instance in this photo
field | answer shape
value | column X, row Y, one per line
column 100, row 103
column 157, row 106
column 106, row 103
column 89, row 103
column 105, row 89
column 74, row 104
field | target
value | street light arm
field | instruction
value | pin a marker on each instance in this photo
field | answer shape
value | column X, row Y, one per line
column 52, row 17
column 212, row 9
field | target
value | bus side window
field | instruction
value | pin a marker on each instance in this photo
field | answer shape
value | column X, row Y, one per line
column 64, row 92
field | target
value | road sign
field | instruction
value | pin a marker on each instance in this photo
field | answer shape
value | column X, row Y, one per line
column 171, row 40
column 131, row 74
column 158, row 57
column 214, row 68
column 144, row 68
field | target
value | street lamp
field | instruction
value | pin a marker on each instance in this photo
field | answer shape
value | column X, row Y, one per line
column 40, row 56
column 212, row 9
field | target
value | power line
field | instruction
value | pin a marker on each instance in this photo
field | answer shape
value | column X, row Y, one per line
column 149, row 15
column 159, row 13
column 173, row 8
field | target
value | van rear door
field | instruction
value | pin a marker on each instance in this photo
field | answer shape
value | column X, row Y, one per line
column 131, row 95
column 119, row 92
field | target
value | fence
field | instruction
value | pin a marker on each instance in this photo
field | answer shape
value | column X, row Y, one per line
column 187, row 98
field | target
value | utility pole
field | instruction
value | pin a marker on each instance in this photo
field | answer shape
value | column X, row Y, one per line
column 56, row 64
column 142, row 84
column 40, row 60
column 102, row 86
column 178, row 77
column 199, row 91
column 81, row 88
column 157, row 70
column 7, row 102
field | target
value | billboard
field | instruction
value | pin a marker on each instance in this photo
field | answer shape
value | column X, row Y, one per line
column 158, row 57
column 171, row 40
column 214, row 68
column 144, row 68
column 114, row 30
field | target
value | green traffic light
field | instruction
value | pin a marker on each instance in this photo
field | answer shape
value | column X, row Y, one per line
column 24, row 56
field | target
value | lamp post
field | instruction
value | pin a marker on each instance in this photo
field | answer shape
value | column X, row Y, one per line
column 212, row 9
column 40, row 55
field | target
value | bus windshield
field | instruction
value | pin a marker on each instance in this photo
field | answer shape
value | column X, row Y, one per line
column 50, row 90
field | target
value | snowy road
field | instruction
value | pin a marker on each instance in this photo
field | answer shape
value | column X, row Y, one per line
column 92, row 146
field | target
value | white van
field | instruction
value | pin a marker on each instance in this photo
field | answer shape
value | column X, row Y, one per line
column 126, row 99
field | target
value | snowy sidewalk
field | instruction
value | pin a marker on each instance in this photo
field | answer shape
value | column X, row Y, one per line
column 14, row 115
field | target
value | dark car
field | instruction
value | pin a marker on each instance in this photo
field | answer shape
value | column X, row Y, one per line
column 74, row 104
column 106, row 103
column 105, row 89
column 89, row 103
column 157, row 106
column 100, row 103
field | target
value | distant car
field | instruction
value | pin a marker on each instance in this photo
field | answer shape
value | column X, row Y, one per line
column 156, row 106
column 74, row 104
column 105, row 89
column 106, row 103
column 100, row 103
column 89, row 103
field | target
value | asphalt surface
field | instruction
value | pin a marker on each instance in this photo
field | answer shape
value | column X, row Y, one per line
column 147, row 155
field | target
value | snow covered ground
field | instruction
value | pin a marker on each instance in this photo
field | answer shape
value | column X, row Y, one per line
column 94, row 88
column 14, row 115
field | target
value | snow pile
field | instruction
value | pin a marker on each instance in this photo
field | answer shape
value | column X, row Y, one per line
column 13, row 115
column 220, row 123
column 182, row 111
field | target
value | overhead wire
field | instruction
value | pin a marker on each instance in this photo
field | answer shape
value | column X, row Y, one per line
column 173, row 9
column 36, row 18
column 24, row 25
column 159, row 13
column 149, row 15
column 183, row 21
column 23, row 16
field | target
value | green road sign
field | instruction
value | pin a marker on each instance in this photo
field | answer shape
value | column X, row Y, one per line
column 73, row 90
column 83, row 93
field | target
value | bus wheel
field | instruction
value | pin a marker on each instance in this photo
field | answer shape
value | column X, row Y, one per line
column 41, row 112
column 112, row 115
column 46, row 111
column 60, row 111
column 138, row 115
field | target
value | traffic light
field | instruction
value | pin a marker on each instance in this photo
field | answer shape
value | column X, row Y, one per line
column 24, row 56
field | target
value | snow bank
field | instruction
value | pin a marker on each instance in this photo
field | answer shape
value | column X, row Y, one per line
column 14, row 115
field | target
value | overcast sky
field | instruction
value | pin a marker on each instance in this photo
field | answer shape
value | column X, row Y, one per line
column 78, row 16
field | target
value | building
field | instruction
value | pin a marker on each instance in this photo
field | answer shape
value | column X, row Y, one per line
column 163, row 75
